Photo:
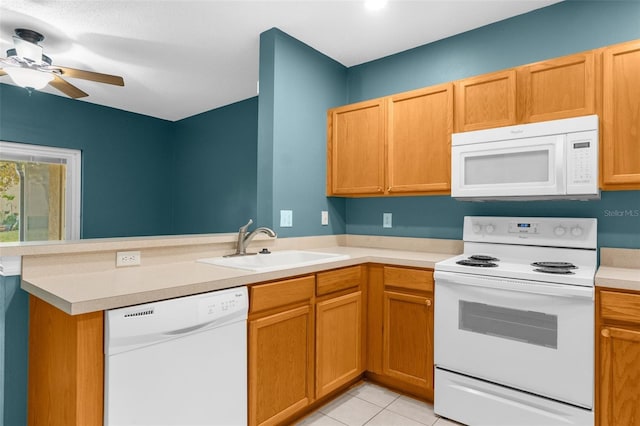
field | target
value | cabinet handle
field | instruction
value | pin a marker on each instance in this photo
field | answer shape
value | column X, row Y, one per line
column 427, row 302
column 605, row 332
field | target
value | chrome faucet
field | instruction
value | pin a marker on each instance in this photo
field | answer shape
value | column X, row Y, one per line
column 245, row 238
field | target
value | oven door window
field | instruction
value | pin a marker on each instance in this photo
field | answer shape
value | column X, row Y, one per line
column 531, row 327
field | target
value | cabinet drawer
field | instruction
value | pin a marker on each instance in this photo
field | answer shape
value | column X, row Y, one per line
column 620, row 306
column 410, row 279
column 338, row 279
column 281, row 293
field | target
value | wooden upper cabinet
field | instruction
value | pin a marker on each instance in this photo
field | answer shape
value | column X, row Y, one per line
column 548, row 90
column 355, row 151
column 395, row 145
column 558, row 88
column 620, row 148
column 420, row 124
column 486, row 101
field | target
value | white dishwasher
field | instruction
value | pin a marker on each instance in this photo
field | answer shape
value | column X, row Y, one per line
column 178, row 362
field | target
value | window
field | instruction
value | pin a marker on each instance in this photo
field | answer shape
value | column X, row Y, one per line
column 39, row 193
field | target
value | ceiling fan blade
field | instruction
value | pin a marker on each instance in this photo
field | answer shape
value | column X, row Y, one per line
column 90, row 75
column 67, row 88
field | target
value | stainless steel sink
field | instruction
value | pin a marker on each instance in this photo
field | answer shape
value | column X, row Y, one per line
column 276, row 260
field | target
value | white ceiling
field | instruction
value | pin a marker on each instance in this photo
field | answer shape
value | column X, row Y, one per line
column 181, row 57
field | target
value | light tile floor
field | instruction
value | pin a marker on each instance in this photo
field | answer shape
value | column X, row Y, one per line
column 373, row 405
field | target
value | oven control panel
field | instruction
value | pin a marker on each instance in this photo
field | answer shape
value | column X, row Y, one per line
column 523, row 228
column 554, row 232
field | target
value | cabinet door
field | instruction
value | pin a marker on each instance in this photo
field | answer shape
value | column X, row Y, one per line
column 280, row 365
column 619, row 384
column 620, row 153
column 558, row 88
column 419, row 140
column 338, row 342
column 486, row 101
column 65, row 367
column 408, row 339
column 355, row 154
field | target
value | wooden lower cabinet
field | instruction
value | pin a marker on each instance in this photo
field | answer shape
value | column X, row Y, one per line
column 408, row 339
column 338, row 342
column 66, row 361
column 400, row 329
column 281, row 346
column 618, row 358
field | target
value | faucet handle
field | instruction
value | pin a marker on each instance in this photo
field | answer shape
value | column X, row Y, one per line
column 245, row 227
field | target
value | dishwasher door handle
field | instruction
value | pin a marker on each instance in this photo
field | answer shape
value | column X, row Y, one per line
column 186, row 329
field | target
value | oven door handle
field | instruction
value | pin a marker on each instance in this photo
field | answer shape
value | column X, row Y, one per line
column 561, row 290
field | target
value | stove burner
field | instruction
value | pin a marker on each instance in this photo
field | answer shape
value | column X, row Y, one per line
column 477, row 263
column 483, row 257
column 552, row 265
column 554, row 270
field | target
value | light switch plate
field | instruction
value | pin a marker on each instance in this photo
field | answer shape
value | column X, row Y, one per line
column 386, row 220
column 286, row 218
column 324, row 217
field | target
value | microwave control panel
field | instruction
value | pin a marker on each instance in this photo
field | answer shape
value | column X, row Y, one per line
column 582, row 162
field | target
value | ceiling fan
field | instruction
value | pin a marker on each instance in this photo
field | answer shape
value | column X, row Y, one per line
column 30, row 68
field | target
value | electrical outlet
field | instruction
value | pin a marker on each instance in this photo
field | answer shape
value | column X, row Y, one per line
column 127, row 258
column 324, row 217
column 386, row 220
column 286, row 218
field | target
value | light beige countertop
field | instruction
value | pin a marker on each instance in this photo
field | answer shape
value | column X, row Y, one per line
column 79, row 282
column 80, row 277
column 619, row 268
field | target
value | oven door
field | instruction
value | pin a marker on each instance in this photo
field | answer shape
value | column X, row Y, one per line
column 514, row 168
column 528, row 335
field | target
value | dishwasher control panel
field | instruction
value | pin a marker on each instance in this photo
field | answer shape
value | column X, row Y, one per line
column 218, row 305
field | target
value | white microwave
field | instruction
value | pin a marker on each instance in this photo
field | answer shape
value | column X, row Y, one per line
column 549, row 160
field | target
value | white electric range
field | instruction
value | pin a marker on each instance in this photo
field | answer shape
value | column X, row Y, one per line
column 514, row 323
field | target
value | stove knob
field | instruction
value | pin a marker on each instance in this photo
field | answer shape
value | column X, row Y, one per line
column 576, row 231
column 489, row 229
column 477, row 228
column 559, row 231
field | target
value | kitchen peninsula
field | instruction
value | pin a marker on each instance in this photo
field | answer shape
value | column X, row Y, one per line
column 72, row 283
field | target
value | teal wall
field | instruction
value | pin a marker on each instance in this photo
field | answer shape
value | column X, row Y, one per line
column 557, row 30
column 618, row 214
column 124, row 158
column 13, row 348
column 297, row 86
column 215, row 169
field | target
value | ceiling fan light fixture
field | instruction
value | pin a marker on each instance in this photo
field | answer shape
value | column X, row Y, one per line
column 29, row 78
